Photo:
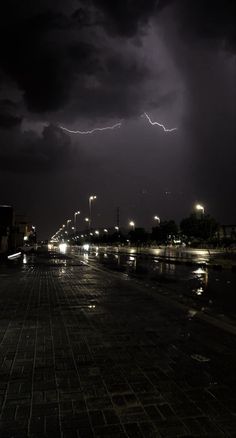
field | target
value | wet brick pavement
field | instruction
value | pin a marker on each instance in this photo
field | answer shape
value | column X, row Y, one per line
column 86, row 353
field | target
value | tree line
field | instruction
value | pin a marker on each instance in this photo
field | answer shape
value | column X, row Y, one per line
column 194, row 230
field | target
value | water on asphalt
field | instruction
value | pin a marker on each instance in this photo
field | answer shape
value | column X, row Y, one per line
column 87, row 351
column 213, row 291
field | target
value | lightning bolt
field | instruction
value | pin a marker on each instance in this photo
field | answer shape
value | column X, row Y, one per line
column 116, row 125
column 106, row 128
column 159, row 124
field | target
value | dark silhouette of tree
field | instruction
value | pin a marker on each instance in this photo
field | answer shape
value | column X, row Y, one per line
column 138, row 236
column 203, row 228
column 166, row 231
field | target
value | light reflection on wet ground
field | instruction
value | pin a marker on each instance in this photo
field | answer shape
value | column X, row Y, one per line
column 188, row 254
column 207, row 289
column 89, row 345
column 197, row 286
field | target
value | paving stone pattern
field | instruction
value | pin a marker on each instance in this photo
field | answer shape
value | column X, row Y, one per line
column 85, row 353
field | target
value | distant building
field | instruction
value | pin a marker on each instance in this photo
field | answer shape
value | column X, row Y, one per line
column 228, row 232
column 15, row 229
column 6, row 225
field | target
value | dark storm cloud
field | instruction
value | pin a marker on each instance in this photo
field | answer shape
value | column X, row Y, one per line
column 8, row 120
column 41, row 55
column 51, row 53
column 8, row 117
column 211, row 19
column 84, row 63
column 116, row 91
column 50, row 48
column 124, row 17
column 201, row 39
column 30, row 153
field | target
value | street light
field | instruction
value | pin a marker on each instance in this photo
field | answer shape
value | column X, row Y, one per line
column 200, row 207
column 132, row 225
column 156, row 218
column 105, row 230
column 117, row 228
column 91, row 198
column 68, row 222
column 75, row 214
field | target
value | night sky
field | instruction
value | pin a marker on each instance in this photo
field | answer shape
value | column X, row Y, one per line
column 94, row 63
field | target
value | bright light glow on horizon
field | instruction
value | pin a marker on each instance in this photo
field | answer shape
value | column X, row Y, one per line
column 86, row 247
column 63, row 247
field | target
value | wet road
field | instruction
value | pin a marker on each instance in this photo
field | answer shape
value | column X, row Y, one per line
column 87, row 351
column 206, row 289
column 196, row 255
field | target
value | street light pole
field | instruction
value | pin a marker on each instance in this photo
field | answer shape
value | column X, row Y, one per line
column 132, row 225
column 91, row 198
column 156, row 218
column 75, row 214
column 200, row 208
column 68, row 232
column 87, row 221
